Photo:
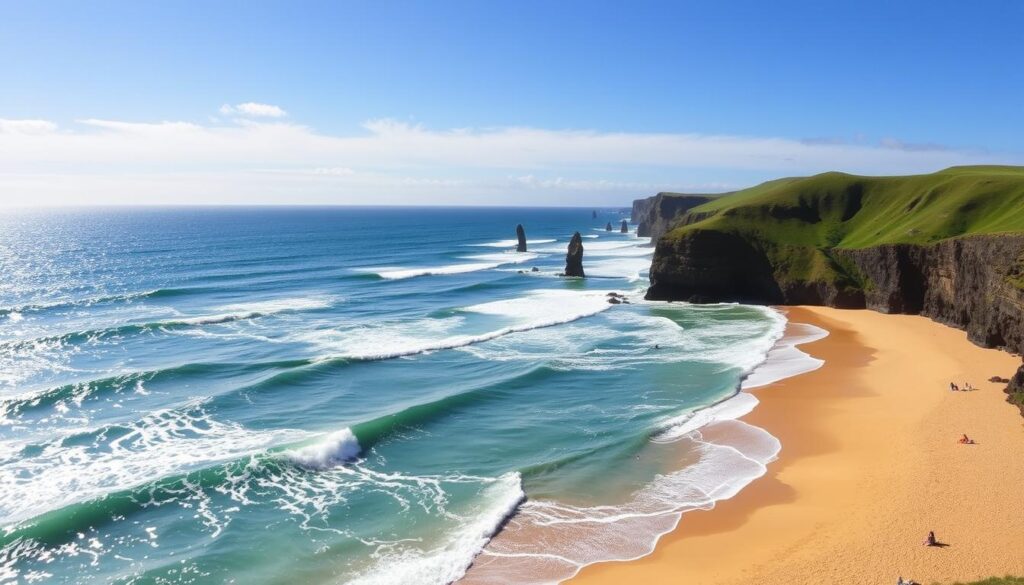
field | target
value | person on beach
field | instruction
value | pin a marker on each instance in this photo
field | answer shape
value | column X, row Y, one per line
column 953, row 387
column 965, row 440
column 931, row 540
column 968, row 387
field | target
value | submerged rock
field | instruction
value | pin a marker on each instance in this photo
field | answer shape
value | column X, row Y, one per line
column 617, row 298
column 534, row 269
column 521, row 236
column 574, row 257
column 608, row 227
column 625, row 227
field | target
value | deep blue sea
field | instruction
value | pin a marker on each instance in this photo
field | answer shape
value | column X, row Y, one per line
column 352, row 395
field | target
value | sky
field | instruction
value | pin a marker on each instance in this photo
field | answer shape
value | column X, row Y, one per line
column 492, row 103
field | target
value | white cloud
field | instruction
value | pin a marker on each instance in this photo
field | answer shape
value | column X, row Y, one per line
column 560, row 183
column 271, row 161
column 253, row 110
column 26, row 126
column 334, row 171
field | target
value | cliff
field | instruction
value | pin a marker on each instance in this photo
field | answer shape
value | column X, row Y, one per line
column 949, row 246
column 655, row 215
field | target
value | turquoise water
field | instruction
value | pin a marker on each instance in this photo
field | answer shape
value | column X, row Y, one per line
column 346, row 395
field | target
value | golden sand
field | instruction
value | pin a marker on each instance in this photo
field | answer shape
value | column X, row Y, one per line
column 869, row 464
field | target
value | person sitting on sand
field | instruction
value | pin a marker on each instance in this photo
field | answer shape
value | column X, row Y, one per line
column 965, row 440
column 968, row 387
column 931, row 540
column 953, row 387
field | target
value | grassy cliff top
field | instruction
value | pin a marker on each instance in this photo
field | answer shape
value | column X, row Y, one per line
column 849, row 211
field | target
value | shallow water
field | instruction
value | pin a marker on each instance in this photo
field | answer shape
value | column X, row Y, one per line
column 349, row 395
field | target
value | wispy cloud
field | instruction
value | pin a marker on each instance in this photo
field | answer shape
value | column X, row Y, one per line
column 261, row 158
column 26, row 126
column 253, row 110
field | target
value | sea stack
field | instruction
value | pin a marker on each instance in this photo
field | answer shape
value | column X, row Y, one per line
column 625, row 227
column 594, row 214
column 574, row 257
column 608, row 227
column 521, row 236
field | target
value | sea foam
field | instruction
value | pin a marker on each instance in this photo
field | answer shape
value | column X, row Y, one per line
column 512, row 243
column 448, row 561
column 333, row 449
column 785, row 359
column 538, row 309
column 86, row 464
column 484, row 262
column 547, row 541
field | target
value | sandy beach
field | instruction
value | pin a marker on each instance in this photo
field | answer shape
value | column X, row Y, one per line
column 870, row 463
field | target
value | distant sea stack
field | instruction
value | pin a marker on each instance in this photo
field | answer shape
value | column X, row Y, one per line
column 625, row 227
column 594, row 214
column 574, row 257
column 608, row 227
column 521, row 236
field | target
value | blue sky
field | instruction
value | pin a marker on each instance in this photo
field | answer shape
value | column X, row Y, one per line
column 494, row 103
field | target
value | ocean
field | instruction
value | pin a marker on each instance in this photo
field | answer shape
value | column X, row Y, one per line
column 355, row 395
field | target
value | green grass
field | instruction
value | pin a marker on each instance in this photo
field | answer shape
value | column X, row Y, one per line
column 797, row 221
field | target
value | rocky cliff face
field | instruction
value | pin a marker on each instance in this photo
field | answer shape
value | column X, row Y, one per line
column 655, row 215
column 975, row 283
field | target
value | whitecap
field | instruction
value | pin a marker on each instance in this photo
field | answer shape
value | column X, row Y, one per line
column 89, row 463
column 504, row 257
column 333, row 449
column 447, row 562
column 512, row 243
column 538, row 309
column 483, row 262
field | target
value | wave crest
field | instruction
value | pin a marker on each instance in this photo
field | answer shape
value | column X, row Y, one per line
column 334, row 449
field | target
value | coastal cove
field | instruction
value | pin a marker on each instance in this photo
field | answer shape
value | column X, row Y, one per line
column 512, row 293
column 869, row 464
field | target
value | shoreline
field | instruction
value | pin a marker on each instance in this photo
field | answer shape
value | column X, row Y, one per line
column 717, row 425
column 869, row 464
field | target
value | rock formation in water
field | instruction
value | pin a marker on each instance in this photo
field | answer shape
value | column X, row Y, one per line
column 654, row 215
column 625, row 227
column 949, row 246
column 574, row 257
column 615, row 298
column 521, row 237
column 594, row 214
column 608, row 227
